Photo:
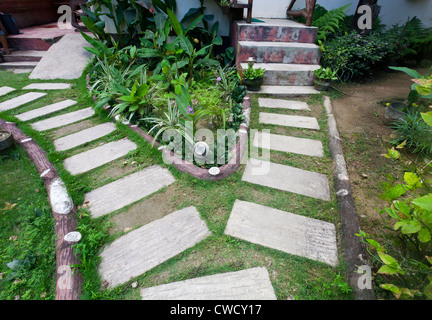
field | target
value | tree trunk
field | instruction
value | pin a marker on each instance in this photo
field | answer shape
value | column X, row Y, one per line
column 68, row 280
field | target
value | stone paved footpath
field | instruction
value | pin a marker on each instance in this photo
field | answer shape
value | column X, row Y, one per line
column 154, row 243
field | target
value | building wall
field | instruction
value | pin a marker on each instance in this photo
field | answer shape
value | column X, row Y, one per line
column 31, row 12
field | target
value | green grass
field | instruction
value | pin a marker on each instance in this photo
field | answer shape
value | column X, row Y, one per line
column 291, row 276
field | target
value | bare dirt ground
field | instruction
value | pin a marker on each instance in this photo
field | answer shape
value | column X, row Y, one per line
column 366, row 134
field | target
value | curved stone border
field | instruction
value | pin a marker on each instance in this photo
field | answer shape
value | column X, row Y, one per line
column 68, row 280
column 355, row 253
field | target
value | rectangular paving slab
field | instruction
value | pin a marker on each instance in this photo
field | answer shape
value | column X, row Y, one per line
column 249, row 284
column 63, row 119
column 283, row 104
column 286, row 178
column 304, row 146
column 289, row 121
column 285, row 231
column 36, row 113
column 99, row 156
column 20, row 100
column 145, row 248
column 5, row 90
column 47, row 86
column 84, row 136
column 127, row 190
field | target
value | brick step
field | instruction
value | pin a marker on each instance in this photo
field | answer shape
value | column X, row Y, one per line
column 18, row 65
column 279, row 74
column 24, row 55
column 279, row 52
column 275, row 30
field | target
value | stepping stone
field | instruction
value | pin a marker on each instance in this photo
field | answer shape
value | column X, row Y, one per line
column 284, row 231
column 21, row 71
column 286, row 178
column 19, row 65
column 21, row 100
column 48, row 86
column 5, row 90
column 289, row 121
column 287, row 91
column 283, row 104
column 127, row 190
column 36, row 113
column 249, row 284
column 99, row 156
column 81, row 137
column 145, row 248
column 307, row 147
column 63, row 119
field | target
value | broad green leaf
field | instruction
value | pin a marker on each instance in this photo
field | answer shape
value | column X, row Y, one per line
column 392, row 288
column 388, row 260
column 424, row 202
column 428, row 291
column 411, row 227
column 424, row 235
column 427, row 117
column 426, row 216
column 194, row 24
column 403, row 208
column 177, row 27
column 387, row 270
column 394, row 192
column 411, row 72
column 412, row 179
column 186, row 45
column 217, row 41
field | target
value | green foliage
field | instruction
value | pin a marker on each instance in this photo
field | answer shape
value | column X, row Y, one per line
column 329, row 22
column 326, row 74
column 252, row 73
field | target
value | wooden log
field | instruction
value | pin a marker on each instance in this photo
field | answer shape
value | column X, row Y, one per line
column 68, row 280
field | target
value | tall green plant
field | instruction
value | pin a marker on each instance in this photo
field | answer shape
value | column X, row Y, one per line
column 330, row 22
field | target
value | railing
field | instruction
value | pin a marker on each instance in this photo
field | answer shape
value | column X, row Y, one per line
column 307, row 13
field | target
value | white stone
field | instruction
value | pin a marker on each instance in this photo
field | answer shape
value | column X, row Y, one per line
column 5, row 90
column 214, row 171
column 59, row 198
column 45, row 110
column 287, row 91
column 286, row 178
column 303, row 146
column 127, row 190
column 84, row 136
column 249, row 284
column 145, row 248
column 283, row 104
column 73, row 236
column 20, row 100
column 284, row 231
column 47, row 86
column 63, row 119
column 289, row 121
column 99, row 156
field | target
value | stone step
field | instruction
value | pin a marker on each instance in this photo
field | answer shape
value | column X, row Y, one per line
column 279, row 74
column 284, row 231
column 18, row 65
column 249, row 284
column 98, row 156
column 283, row 104
column 279, row 52
column 287, row 91
column 145, row 248
column 5, row 90
column 21, row 100
column 63, row 119
column 286, row 178
column 289, row 120
column 36, row 113
column 275, row 30
column 24, row 55
column 277, row 142
column 48, row 86
column 127, row 190
column 82, row 137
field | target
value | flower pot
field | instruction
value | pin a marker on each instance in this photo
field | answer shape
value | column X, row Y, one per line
column 253, row 84
column 321, row 85
column 6, row 140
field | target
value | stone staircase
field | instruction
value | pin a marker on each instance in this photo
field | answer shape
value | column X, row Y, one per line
column 285, row 48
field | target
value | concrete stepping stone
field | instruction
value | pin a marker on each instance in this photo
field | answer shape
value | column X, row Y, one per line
column 286, row 178
column 48, row 86
column 99, row 156
column 145, row 248
column 81, row 137
column 303, row 146
column 287, row 91
column 283, row 104
column 36, row 113
column 249, row 284
column 20, row 100
column 63, row 119
column 284, row 231
column 289, row 121
column 127, row 190
column 5, row 90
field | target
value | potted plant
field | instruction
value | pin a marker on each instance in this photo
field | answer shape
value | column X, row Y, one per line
column 323, row 78
column 253, row 77
column 6, row 140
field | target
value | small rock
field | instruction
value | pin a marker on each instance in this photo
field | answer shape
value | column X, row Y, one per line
column 17, row 297
column 37, row 190
column 43, row 295
column 13, row 238
column 364, row 176
column 291, row 297
column 2, row 274
column 127, row 229
column 134, row 284
column 133, row 162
